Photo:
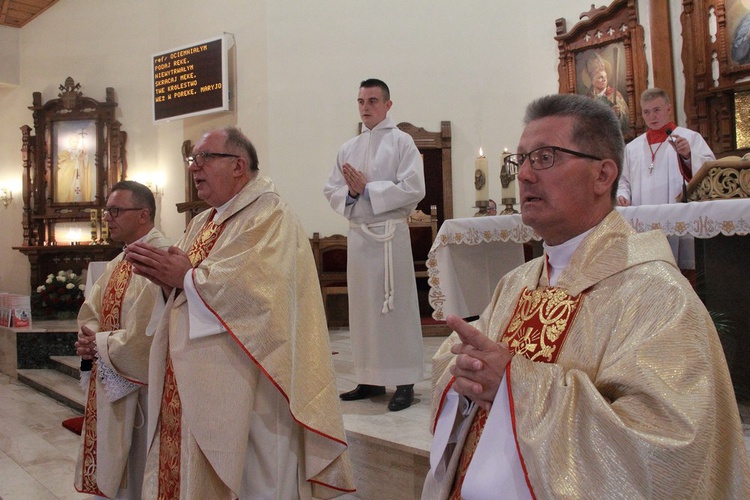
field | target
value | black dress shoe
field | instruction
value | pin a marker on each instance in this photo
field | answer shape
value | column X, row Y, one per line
column 402, row 398
column 363, row 391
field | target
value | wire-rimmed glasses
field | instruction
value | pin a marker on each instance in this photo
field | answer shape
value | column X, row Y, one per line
column 200, row 158
column 541, row 158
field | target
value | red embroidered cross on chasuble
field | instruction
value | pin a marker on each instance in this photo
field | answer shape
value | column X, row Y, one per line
column 112, row 298
column 170, row 434
column 536, row 331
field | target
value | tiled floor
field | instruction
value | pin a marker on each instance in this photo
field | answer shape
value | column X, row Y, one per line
column 37, row 455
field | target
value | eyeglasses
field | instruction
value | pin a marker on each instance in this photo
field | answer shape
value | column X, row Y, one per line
column 114, row 212
column 200, row 158
column 542, row 158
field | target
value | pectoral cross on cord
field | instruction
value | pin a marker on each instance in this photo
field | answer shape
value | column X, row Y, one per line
column 653, row 157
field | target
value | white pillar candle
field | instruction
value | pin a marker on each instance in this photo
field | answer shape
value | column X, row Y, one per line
column 480, row 178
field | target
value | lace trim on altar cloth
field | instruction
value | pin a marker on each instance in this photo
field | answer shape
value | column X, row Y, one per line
column 115, row 386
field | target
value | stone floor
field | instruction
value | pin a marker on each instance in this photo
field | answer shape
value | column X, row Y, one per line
column 37, row 455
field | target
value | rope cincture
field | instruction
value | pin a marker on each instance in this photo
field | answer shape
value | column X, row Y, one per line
column 387, row 239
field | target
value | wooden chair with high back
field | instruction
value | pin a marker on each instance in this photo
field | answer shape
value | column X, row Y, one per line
column 330, row 255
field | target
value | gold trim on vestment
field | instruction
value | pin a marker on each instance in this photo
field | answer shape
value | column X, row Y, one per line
column 536, row 331
column 170, row 414
column 112, row 299
column 170, row 435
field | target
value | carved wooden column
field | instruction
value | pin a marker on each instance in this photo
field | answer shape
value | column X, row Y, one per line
column 661, row 49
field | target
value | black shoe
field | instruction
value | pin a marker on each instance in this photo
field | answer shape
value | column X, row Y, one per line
column 402, row 398
column 363, row 391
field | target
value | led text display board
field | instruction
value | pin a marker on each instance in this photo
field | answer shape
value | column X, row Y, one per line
column 191, row 80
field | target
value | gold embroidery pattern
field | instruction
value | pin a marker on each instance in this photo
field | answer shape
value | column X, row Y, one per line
column 536, row 331
column 169, row 437
column 112, row 298
column 204, row 242
column 470, row 446
column 89, row 440
column 171, row 407
column 114, row 293
column 539, row 323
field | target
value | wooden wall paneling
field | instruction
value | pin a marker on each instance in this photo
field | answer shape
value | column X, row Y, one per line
column 712, row 77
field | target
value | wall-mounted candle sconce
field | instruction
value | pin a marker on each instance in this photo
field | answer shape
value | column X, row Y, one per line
column 6, row 196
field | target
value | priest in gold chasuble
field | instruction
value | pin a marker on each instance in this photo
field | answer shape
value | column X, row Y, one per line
column 244, row 401
column 113, row 323
column 595, row 371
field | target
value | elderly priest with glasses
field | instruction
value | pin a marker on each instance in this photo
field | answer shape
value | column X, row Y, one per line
column 595, row 372
column 243, row 400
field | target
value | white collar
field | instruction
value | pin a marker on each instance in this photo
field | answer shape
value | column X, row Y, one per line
column 220, row 210
column 558, row 256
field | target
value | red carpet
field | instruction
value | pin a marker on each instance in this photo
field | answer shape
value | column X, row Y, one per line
column 74, row 424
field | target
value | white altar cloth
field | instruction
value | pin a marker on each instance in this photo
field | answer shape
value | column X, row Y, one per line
column 470, row 255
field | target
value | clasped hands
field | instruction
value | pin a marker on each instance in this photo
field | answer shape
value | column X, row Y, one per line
column 355, row 180
column 166, row 268
column 86, row 343
column 480, row 363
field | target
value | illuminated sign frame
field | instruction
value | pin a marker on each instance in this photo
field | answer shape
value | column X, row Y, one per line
column 191, row 80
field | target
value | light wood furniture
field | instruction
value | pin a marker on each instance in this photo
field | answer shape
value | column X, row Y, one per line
column 721, row 179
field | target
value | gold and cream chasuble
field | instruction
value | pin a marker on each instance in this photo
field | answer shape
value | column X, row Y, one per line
column 171, row 408
column 268, row 368
column 111, row 308
column 118, row 308
column 537, row 332
column 637, row 401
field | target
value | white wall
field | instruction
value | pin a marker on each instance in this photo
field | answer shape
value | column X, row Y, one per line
column 10, row 66
column 298, row 67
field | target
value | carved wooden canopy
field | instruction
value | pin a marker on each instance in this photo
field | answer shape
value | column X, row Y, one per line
column 610, row 39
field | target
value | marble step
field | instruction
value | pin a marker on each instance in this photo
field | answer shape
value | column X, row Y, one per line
column 69, row 365
column 56, row 385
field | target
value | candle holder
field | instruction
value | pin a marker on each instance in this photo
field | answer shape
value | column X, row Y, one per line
column 509, row 210
column 508, row 174
column 482, row 205
column 94, row 226
column 104, row 233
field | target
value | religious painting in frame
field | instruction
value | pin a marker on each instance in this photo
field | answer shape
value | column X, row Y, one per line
column 73, row 161
column 602, row 56
column 601, row 75
column 72, row 157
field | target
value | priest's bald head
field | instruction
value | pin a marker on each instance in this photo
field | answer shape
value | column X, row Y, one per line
column 223, row 162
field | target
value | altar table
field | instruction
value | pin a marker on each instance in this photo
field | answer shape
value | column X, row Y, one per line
column 470, row 255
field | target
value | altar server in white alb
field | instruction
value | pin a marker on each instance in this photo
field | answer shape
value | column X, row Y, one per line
column 655, row 173
column 376, row 183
